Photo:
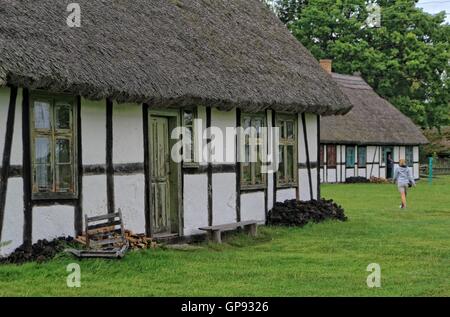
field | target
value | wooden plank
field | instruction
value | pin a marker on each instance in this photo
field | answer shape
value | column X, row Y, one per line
column 103, row 230
column 104, row 225
column 106, row 242
column 229, row 226
column 103, row 217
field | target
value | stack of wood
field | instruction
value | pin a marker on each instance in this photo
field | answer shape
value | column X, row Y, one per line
column 136, row 241
column 379, row 180
column 139, row 241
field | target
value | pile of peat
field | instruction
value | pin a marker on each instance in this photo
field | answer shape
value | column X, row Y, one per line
column 41, row 251
column 356, row 180
column 299, row 213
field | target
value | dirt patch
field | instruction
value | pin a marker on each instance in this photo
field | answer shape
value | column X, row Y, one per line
column 41, row 251
column 299, row 213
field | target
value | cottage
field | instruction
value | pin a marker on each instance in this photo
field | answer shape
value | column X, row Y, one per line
column 87, row 114
column 362, row 142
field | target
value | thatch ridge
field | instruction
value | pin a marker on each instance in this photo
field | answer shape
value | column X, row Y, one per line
column 226, row 53
column 372, row 120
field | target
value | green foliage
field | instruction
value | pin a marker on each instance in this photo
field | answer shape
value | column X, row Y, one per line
column 406, row 59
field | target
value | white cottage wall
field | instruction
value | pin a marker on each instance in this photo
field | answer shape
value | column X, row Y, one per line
column 93, row 131
column 128, row 126
column 52, row 222
column 13, row 221
column 195, row 203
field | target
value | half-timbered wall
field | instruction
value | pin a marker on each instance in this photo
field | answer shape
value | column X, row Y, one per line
column 375, row 167
column 112, row 173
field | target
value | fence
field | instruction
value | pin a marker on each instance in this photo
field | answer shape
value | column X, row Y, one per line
column 441, row 166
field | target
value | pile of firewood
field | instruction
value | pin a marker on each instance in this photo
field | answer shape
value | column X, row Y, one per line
column 136, row 241
column 379, row 180
column 139, row 241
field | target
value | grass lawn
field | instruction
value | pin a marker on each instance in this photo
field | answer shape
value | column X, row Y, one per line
column 328, row 259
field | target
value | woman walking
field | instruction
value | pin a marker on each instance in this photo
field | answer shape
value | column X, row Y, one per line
column 404, row 179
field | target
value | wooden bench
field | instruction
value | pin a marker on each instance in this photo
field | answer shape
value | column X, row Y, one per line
column 215, row 232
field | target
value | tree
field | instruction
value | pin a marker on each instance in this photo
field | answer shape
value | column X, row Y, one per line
column 406, row 59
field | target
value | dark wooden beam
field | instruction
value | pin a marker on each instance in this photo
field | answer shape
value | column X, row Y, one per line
column 147, row 172
column 109, row 156
column 308, row 161
column 26, row 170
column 210, row 169
column 79, row 202
column 238, row 168
column 318, row 158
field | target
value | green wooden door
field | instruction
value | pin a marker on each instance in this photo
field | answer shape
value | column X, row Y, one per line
column 160, row 170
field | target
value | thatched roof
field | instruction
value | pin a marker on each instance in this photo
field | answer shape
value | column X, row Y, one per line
column 372, row 120
column 222, row 53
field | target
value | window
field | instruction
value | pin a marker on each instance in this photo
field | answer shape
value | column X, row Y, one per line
column 189, row 138
column 409, row 156
column 362, row 156
column 350, row 156
column 322, row 155
column 287, row 170
column 331, row 155
column 251, row 162
column 53, row 147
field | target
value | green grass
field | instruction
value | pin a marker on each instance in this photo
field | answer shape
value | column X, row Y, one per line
column 328, row 259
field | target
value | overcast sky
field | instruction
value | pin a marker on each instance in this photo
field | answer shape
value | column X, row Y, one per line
column 435, row 6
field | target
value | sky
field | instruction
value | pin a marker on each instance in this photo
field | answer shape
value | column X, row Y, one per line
column 435, row 6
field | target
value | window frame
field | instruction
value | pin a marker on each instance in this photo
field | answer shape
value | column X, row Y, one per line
column 252, row 185
column 195, row 162
column 285, row 143
column 54, row 134
column 409, row 163
column 331, row 146
column 347, row 147
column 365, row 156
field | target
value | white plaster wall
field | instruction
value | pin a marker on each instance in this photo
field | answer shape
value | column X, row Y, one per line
column 223, row 120
column 129, row 194
column 4, row 104
column 286, row 194
column 301, row 140
column 195, row 204
column 311, row 129
column 53, row 222
column 95, row 202
column 416, row 153
column 303, row 182
column 314, row 172
column 201, row 114
column 16, row 150
column 362, row 172
column 373, row 154
column 224, row 198
column 13, row 218
column 350, row 172
column 396, row 153
column 402, row 152
column 322, row 175
column 128, row 136
column 253, row 207
column 376, row 170
column 93, row 129
column 332, row 175
column 415, row 171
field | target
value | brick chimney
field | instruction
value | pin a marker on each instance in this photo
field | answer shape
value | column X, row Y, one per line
column 327, row 65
